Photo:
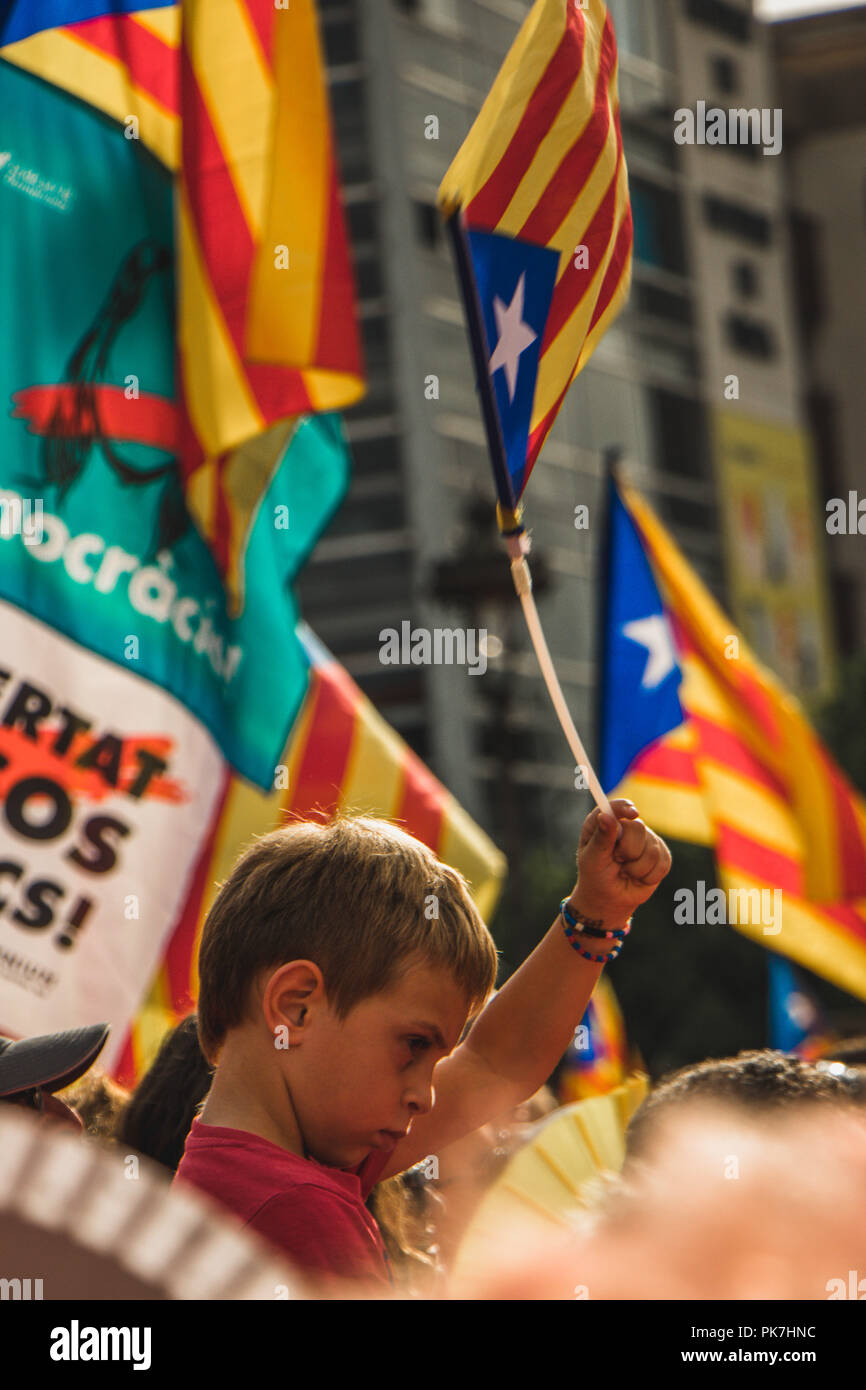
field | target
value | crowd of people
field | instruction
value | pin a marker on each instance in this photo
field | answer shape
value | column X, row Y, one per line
column 301, row 1098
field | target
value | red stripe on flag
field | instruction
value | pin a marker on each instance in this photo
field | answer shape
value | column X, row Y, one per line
column 557, row 80
column 616, row 268
column 747, row 691
column 262, row 14
column 734, row 850
column 723, row 746
column 227, row 249
column 179, row 954
column 335, row 347
column 846, row 916
column 123, row 1071
column 667, row 765
column 332, row 729
column 571, row 289
column 852, row 852
column 558, row 198
column 422, row 804
column 224, row 236
column 151, row 63
column 573, row 284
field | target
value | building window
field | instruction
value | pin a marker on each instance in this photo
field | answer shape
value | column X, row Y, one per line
column 723, row 72
column 721, row 15
column 745, row 278
column 663, row 304
column 737, row 220
column 428, row 223
column 658, row 226
column 681, row 434
column 749, row 336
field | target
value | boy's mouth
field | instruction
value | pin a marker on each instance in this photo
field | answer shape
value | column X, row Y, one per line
column 391, row 1137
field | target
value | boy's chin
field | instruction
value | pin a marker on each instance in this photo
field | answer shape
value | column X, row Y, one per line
column 353, row 1154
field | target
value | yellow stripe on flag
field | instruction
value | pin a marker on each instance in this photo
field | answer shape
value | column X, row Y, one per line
column 373, row 780
column 163, row 23
column 152, row 1022
column 285, row 300
column 558, row 359
column 670, row 809
column 573, row 118
column 71, row 64
column 808, row 935
column 465, row 845
column 751, row 809
column 236, row 86
column 332, row 390
column 503, row 108
column 219, row 400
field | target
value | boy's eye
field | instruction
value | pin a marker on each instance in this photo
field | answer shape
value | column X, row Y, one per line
column 423, row 1043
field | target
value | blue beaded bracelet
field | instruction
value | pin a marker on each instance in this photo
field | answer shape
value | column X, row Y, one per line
column 573, row 932
column 587, row 955
column 586, row 929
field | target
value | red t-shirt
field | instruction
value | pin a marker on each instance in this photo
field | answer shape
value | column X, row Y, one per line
column 314, row 1213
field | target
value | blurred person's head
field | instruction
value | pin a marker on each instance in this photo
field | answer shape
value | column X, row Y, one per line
column 99, row 1103
column 33, row 1069
column 728, row 1203
column 163, row 1105
column 760, row 1080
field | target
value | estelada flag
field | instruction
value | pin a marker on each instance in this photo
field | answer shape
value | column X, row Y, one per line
column 541, row 190
column 230, row 96
column 597, row 1059
column 342, row 756
column 796, row 1020
column 715, row 751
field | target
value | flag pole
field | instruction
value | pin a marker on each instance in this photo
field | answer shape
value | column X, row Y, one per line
column 510, row 524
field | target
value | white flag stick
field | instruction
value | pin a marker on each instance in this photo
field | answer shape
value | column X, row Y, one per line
column 523, row 585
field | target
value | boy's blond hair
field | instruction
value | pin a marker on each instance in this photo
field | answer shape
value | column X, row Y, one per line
column 359, row 897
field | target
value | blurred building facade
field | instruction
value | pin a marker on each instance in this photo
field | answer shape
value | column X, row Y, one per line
column 820, row 68
column 710, row 301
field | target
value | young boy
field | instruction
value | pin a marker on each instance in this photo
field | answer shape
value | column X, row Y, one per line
column 338, row 968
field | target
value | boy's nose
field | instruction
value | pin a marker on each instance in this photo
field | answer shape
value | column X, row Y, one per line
column 420, row 1099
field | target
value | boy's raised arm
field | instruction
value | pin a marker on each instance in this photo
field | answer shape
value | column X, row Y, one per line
column 520, row 1035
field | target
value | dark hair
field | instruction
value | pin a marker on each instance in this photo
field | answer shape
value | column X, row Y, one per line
column 158, row 1117
column 764, row 1080
column 359, row 897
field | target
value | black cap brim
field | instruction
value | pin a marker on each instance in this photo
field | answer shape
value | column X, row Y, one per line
column 52, row 1061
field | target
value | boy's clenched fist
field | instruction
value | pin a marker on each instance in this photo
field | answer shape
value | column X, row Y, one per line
column 616, row 873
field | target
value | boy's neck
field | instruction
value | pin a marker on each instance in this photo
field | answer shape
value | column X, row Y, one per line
column 234, row 1103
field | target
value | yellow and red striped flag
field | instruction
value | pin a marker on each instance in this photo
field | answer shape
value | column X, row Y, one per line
column 342, row 756
column 746, row 774
column 537, row 201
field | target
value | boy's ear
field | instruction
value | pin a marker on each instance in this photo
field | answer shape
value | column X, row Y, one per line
column 287, row 997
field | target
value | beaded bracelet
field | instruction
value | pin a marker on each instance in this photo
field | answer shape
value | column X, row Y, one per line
column 573, row 931
column 587, row 927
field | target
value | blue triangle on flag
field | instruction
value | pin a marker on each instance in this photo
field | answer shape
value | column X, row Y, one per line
column 641, row 672
column 515, row 281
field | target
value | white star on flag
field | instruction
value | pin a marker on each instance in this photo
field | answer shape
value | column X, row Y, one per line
column 654, row 634
column 515, row 336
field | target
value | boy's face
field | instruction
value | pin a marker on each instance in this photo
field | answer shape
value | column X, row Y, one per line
column 372, row 1073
